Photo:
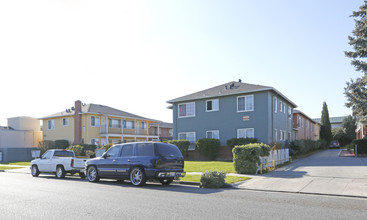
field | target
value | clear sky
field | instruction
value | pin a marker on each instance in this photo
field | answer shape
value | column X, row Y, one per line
column 136, row 55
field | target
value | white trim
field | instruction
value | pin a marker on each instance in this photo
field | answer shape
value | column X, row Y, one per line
column 212, row 132
column 178, row 110
column 206, row 105
column 275, row 135
column 276, row 104
column 253, row 103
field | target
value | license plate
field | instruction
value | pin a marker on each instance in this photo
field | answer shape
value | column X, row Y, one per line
column 172, row 174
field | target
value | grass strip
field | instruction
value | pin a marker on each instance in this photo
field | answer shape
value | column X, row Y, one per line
column 25, row 163
column 9, row 168
column 228, row 179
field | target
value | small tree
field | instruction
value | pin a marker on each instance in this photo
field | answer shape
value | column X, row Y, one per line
column 325, row 130
column 349, row 128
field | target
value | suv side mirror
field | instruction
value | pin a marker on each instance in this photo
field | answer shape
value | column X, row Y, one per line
column 105, row 155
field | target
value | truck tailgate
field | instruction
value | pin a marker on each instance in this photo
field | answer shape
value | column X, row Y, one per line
column 79, row 163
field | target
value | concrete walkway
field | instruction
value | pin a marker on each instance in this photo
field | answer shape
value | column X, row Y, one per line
column 322, row 173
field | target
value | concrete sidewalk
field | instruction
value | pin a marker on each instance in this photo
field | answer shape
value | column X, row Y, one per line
column 323, row 173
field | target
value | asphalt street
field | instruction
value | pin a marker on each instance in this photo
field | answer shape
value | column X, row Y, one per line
column 25, row 197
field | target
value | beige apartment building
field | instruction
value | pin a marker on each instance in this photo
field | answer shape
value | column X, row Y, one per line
column 97, row 124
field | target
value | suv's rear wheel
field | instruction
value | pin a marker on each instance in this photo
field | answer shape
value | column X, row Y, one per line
column 92, row 174
column 166, row 182
column 137, row 176
column 35, row 171
column 60, row 172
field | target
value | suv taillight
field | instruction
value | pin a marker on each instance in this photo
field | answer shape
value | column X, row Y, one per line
column 72, row 163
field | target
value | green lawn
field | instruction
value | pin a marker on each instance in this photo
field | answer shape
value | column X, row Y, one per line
column 229, row 179
column 19, row 163
column 202, row 166
column 8, row 167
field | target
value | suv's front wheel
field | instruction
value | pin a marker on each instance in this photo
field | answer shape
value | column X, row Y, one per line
column 92, row 174
column 137, row 176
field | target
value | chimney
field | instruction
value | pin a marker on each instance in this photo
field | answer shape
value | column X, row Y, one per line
column 239, row 80
column 77, row 122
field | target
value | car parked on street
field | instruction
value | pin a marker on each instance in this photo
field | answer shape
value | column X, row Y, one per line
column 138, row 162
column 58, row 162
column 334, row 144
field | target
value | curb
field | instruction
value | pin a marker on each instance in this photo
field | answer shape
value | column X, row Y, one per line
column 304, row 193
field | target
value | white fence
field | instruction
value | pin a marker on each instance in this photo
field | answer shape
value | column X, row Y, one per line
column 275, row 158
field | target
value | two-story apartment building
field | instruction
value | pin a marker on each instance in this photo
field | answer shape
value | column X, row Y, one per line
column 304, row 126
column 233, row 110
column 163, row 129
column 96, row 124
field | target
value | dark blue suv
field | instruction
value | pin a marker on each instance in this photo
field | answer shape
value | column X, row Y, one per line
column 138, row 162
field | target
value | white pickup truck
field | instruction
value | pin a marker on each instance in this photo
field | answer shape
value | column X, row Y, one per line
column 58, row 162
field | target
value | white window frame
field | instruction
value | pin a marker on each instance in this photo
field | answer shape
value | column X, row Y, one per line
column 284, row 108
column 275, row 104
column 186, row 110
column 144, row 125
column 213, row 110
column 252, row 106
column 192, row 142
column 66, row 120
column 213, row 131
column 245, row 132
column 281, row 135
column 129, row 127
column 51, row 124
column 95, row 124
column 275, row 135
column 289, row 112
column 281, row 106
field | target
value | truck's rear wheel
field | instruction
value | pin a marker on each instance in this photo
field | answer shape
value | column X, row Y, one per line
column 60, row 172
column 92, row 174
column 35, row 171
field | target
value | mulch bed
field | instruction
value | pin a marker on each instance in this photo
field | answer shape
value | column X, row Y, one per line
column 346, row 153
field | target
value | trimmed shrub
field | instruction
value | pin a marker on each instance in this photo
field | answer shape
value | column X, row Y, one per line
column 246, row 158
column 208, row 147
column 183, row 145
column 300, row 147
column 212, row 179
column 90, row 153
column 61, row 144
column 240, row 141
column 78, row 150
column 107, row 146
column 361, row 146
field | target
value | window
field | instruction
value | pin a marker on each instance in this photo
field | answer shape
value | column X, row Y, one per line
column 289, row 136
column 281, row 106
column 275, row 135
column 275, row 105
column 284, row 107
column 129, row 124
column 289, row 112
column 246, row 133
column 94, row 121
column 114, row 123
column 127, row 150
column 47, row 155
column 212, row 134
column 65, row 121
column 186, row 110
column 145, row 149
column 190, row 136
column 168, row 150
column 63, row 153
column 299, row 121
column 212, row 105
column 51, row 124
column 114, row 151
column 94, row 142
column 245, row 103
column 281, row 135
column 144, row 125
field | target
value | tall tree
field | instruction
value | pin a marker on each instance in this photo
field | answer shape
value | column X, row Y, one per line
column 325, row 130
column 349, row 127
column 356, row 90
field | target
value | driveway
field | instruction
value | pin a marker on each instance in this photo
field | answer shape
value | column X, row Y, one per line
column 322, row 173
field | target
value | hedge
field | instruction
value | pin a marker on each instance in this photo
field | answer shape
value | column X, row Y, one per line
column 246, row 158
column 240, row 141
column 212, row 179
column 300, row 147
column 208, row 147
column 361, row 146
column 183, row 145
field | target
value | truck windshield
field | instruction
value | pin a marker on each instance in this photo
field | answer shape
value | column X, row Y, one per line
column 168, row 150
column 60, row 153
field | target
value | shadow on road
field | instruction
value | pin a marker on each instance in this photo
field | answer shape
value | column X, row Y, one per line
column 174, row 187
